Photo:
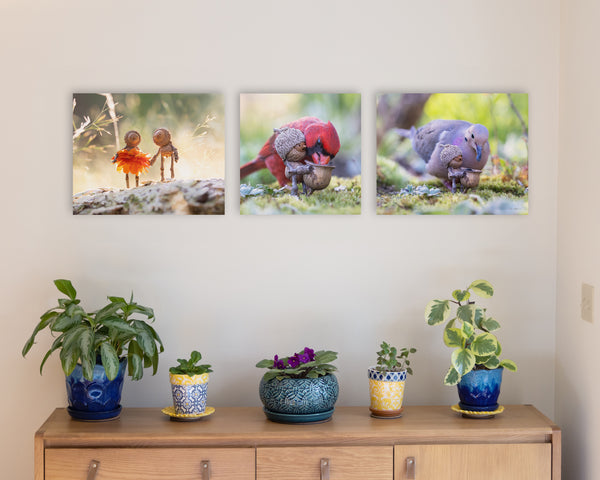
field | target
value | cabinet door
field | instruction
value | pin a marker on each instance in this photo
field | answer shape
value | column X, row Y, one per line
column 525, row 461
column 150, row 463
column 340, row 463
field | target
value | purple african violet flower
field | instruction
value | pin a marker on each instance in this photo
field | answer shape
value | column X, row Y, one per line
column 279, row 364
column 310, row 352
column 293, row 361
column 303, row 357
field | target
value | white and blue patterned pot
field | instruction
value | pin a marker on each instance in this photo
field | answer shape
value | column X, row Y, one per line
column 299, row 395
column 189, row 393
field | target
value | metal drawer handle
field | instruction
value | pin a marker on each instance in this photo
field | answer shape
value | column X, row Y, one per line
column 93, row 469
column 324, row 469
column 410, row 467
column 205, row 466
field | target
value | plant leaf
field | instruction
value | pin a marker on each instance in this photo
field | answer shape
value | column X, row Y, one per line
column 463, row 361
column 437, row 311
column 465, row 313
column 144, row 338
column 484, row 344
column 461, row 295
column 65, row 322
column 490, row 325
column 454, row 337
column 509, row 365
column 110, row 360
column 66, row 287
column 58, row 342
column 483, row 288
column 46, row 319
column 452, row 377
column 492, row 362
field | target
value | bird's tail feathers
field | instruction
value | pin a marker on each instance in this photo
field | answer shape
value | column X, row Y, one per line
column 403, row 132
column 253, row 166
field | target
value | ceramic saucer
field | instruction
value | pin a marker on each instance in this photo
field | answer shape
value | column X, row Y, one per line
column 477, row 414
column 299, row 418
column 94, row 416
column 187, row 417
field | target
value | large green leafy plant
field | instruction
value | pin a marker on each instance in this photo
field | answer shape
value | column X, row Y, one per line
column 112, row 332
column 468, row 331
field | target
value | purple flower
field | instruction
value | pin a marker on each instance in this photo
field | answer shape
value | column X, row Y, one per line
column 310, row 352
column 293, row 361
column 279, row 364
column 303, row 357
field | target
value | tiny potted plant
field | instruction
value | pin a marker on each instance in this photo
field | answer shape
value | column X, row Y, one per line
column 387, row 380
column 95, row 349
column 475, row 364
column 189, row 382
column 299, row 388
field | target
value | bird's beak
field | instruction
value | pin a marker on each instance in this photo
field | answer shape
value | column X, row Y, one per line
column 478, row 148
column 320, row 159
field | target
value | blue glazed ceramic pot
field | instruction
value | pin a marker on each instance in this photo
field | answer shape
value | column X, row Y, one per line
column 478, row 390
column 299, row 395
column 99, row 395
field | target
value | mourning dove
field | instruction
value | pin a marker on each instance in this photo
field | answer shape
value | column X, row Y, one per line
column 430, row 140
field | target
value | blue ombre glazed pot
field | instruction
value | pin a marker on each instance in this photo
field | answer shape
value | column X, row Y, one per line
column 299, row 396
column 478, row 390
column 96, row 399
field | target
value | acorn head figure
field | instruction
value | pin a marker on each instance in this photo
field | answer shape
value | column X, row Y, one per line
column 161, row 137
column 132, row 139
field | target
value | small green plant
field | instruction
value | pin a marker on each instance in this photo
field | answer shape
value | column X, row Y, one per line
column 468, row 332
column 305, row 364
column 103, row 336
column 388, row 359
column 189, row 367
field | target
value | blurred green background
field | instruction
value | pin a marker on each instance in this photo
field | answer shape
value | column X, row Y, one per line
column 260, row 113
column 196, row 123
column 508, row 134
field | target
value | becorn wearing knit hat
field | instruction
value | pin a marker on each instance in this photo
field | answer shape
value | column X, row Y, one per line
column 286, row 140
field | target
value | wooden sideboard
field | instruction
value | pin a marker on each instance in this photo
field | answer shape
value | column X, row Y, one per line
column 427, row 443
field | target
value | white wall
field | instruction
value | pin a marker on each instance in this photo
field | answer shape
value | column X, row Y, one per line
column 577, row 388
column 225, row 285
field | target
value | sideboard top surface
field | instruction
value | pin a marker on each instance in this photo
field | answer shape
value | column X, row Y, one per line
column 248, row 426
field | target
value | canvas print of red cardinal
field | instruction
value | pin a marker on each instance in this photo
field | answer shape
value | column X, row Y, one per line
column 300, row 153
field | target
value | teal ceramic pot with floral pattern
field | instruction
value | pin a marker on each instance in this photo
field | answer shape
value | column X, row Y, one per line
column 299, row 396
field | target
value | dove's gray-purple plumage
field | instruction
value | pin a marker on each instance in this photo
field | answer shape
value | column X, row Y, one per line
column 429, row 140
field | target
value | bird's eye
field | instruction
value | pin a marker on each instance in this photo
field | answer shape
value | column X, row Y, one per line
column 466, row 139
column 472, row 136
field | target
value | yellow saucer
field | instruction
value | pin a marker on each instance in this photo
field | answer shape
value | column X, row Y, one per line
column 477, row 414
column 187, row 417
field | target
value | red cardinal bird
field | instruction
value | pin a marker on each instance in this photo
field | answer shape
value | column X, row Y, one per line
column 322, row 144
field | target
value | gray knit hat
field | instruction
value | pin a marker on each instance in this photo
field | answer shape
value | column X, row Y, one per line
column 449, row 153
column 287, row 139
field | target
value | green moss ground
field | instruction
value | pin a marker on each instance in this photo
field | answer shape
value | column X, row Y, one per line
column 493, row 196
column 322, row 202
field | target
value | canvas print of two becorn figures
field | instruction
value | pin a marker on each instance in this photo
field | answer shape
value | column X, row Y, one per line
column 439, row 153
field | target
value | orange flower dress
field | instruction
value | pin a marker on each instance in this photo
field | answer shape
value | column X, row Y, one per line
column 132, row 160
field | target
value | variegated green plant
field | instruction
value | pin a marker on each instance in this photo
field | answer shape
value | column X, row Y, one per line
column 105, row 335
column 469, row 332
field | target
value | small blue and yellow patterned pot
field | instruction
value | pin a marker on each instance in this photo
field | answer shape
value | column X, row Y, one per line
column 96, row 399
column 299, row 396
column 189, row 393
column 478, row 390
column 386, row 390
